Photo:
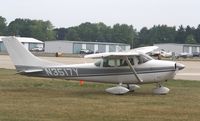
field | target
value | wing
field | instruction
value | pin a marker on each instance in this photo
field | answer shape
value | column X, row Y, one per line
column 131, row 52
column 145, row 50
column 111, row 55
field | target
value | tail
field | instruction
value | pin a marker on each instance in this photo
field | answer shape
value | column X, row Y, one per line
column 22, row 58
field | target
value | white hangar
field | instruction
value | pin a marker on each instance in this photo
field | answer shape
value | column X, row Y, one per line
column 29, row 43
column 64, row 46
column 179, row 48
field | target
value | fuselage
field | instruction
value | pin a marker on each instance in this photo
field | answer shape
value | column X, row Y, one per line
column 150, row 71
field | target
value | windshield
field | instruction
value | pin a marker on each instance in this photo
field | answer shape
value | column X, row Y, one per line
column 143, row 58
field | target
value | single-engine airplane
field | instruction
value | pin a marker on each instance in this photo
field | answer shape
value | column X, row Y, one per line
column 126, row 69
column 162, row 52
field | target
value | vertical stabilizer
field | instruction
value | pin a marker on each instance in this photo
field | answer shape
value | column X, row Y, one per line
column 20, row 56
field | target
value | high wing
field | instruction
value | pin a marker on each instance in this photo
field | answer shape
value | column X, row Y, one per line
column 111, row 55
column 132, row 52
column 145, row 50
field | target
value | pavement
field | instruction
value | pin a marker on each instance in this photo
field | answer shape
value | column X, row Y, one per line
column 191, row 71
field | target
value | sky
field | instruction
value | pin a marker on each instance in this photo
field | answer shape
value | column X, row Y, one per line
column 139, row 13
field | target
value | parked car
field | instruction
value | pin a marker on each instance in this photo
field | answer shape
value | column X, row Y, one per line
column 37, row 49
column 185, row 55
column 196, row 54
column 86, row 51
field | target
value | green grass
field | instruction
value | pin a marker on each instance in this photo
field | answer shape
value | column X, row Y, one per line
column 40, row 99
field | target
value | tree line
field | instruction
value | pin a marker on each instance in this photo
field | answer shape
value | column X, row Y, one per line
column 42, row 30
column 99, row 32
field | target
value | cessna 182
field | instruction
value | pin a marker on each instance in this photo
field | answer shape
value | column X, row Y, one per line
column 123, row 68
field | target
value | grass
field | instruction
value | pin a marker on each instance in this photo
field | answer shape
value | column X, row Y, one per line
column 41, row 99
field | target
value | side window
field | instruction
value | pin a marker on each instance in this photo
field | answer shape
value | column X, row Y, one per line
column 117, row 62
column 105, row 63
column 108, row 63
column 98, row 63
column 111, row 62
column 124, row 63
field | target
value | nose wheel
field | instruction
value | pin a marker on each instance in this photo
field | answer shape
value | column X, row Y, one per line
column 160, row 89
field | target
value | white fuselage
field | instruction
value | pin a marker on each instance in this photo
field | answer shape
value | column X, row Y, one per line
column 149, row 72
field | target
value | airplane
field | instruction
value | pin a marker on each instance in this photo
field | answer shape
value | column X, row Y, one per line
column 165, row 54
column 126, row 69
column 162, row 53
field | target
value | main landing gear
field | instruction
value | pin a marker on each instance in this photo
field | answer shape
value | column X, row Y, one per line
column 122, row 89
column 160, row 90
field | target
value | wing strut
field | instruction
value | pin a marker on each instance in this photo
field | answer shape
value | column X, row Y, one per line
column 133, row 70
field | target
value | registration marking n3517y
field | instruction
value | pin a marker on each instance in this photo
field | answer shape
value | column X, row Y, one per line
column 61, row 71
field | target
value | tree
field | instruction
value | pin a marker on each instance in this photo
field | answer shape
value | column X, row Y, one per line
column 101, row 32
column 72, row 34
column 20, row 27
column 157, row 34
column 42, row 30
column 123, row 34
column 143, row 36
column 60, row 33
column 190, row 39
column 2, row 26
column 197, row 34
column 87, row 31
column 181, row 35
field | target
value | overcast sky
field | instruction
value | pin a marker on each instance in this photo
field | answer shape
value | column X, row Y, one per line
column 139, row 13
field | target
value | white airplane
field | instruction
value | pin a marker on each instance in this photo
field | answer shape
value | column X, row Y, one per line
column 126, row 69
column 163, row 53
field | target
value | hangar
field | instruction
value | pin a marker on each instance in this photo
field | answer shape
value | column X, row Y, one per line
column 179, row 48
column 29, row 43
column 65, row 46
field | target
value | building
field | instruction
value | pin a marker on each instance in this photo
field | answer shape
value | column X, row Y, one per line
column 179, row 48
column 29, row 43
column 75, row 46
